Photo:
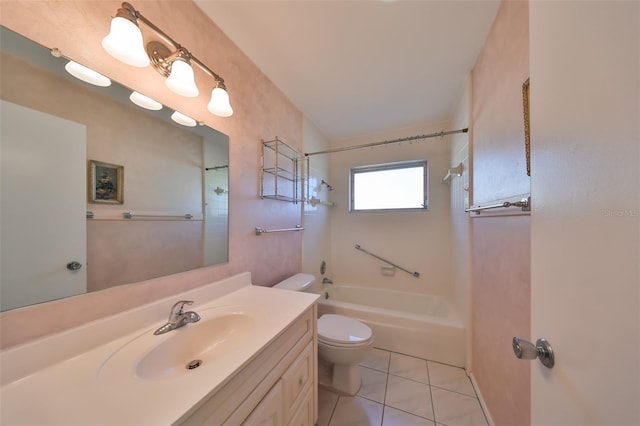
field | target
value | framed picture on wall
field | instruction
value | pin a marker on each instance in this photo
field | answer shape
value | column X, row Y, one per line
column 527, row 126
column 106, row 182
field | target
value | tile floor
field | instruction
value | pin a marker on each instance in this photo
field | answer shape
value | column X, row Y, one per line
column 399, row 390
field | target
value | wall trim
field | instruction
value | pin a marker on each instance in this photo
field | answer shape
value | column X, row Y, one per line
column 481, row 399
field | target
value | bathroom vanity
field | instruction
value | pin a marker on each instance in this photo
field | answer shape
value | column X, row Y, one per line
column 251, row 359
column 275, row 388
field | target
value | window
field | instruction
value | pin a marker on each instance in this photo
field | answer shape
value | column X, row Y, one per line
column 391, row 186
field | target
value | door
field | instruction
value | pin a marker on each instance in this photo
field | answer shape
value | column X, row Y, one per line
column 585, row 135
column 43, row 206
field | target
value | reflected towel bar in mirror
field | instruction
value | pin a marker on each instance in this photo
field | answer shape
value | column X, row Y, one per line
column 130, row 215
column 260, row 231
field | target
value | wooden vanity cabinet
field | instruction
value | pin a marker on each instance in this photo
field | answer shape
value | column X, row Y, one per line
column 278, row 387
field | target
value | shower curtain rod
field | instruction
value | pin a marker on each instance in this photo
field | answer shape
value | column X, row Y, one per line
column 407, row 139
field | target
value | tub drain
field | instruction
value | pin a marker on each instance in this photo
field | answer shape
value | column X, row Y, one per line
column 194, row 364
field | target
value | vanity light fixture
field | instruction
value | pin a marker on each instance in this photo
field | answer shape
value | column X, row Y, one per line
column 125, row 43
column 185, row 120
column 181, row 80
column 176, row 67
column 87, row 74
column 145, row 102
column 219, row 104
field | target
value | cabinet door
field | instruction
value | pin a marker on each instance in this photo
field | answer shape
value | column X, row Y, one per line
column 296, row 380
column 269, row 411
column 304, row 414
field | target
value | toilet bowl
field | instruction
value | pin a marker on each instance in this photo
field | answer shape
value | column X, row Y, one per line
column 343, row 342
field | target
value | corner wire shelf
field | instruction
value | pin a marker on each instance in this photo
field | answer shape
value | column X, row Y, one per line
column 283, row 169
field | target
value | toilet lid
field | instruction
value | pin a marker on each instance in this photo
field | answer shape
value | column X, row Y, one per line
column 340, row 329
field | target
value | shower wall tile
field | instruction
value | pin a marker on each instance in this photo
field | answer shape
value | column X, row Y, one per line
column 315, row 247
column 416, row 240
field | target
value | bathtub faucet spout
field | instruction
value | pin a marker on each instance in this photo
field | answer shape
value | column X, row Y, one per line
column 326, row 280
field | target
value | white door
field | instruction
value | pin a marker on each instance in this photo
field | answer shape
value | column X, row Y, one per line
column 43, row 206
column 585, row 185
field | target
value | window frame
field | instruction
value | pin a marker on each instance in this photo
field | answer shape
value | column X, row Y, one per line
column 390, row 166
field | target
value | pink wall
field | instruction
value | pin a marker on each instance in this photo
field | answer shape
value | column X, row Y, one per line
column 501, row 277
column 261, row 111
column 500, row 245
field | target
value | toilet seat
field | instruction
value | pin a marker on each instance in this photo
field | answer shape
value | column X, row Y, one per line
column 341, row 331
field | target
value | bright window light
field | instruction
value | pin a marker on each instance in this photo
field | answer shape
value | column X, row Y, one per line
column 391, row 186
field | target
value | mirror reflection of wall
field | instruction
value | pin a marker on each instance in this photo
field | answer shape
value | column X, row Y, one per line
column 164, row 176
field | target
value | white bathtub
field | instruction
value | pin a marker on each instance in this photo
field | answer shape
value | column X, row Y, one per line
column 420, row 325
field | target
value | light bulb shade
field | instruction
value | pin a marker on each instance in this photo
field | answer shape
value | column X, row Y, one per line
column 219, row 104
column 124, row 42
column 87, row 74
column 145, row 102
column 181, row 80
column 180, row 118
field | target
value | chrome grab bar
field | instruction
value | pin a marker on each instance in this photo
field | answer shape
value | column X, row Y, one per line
column 525, row 204
column 130, row 215
column 260, row 231
column 415, row 274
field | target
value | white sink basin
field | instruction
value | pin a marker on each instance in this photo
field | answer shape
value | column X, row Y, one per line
column 196, row 345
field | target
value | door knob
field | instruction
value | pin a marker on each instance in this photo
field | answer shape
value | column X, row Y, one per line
column 541, row 350
column 74, row 266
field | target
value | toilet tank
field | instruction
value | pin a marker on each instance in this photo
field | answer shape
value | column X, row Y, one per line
column 298, row 282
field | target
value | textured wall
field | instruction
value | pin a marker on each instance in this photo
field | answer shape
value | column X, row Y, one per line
column 498, row 135
column 261, row 111
column 500, row 246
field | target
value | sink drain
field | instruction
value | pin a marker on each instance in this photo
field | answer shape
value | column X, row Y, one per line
column 194, row 364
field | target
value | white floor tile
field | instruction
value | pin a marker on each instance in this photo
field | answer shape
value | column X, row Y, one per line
column 451, row 378
column 409, row 367
column 326, row 404
column 393, row 417
column 417, row 392
column 378, row 360
column 356, row 411
column 374, row 384
column 408, row 395
column 454, row 409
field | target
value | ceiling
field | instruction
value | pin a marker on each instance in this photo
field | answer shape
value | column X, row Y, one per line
column 361, row 67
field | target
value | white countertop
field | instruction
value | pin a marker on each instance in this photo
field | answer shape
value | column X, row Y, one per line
column 100, row 385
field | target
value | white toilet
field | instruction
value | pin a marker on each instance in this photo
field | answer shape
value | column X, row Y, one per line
column 342, row 341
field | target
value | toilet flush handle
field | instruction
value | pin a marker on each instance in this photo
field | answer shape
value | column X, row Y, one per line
column 541, row 350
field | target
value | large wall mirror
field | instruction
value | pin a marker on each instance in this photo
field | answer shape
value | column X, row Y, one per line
column 96, row 191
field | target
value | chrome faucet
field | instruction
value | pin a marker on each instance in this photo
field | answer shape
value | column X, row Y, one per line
column 326, row 280
column 178, row 318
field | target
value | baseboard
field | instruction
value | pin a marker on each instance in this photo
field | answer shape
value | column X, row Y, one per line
column 481, row 399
